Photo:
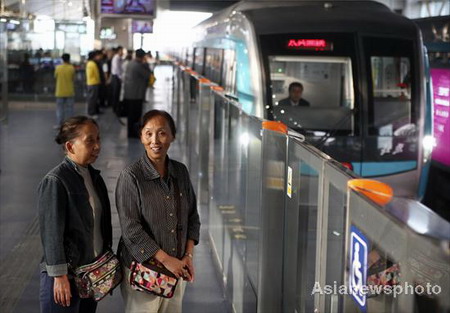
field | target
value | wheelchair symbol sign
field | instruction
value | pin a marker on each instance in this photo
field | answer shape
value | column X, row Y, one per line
column 358, row 267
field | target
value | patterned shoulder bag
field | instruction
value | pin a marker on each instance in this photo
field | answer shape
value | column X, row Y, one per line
column 97, row 279
column 152, row 277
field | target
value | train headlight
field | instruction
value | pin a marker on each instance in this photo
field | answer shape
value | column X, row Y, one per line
column 428, row 143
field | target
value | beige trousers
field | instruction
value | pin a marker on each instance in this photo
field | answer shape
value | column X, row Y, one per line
column 141, row 302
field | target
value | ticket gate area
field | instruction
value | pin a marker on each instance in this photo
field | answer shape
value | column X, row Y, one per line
column 287, row 233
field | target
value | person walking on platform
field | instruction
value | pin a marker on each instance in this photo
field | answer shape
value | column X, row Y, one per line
column 116, row 79
column 158, row 215
column 125, row 62
column 93, row 84
column 138, row 75
column 27, row 75
column 74, row 217
column 103, row 69
column 64, row 91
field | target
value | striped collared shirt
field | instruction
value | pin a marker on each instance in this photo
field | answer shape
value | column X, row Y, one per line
column 147, row 213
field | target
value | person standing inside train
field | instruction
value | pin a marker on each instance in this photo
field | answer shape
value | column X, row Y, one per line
column 138, row 74
column 64, row 91
column 146, row 201
column 295, row 96
column 74, row 217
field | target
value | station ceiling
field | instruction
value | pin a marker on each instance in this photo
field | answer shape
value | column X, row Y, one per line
column 74, row 9
column 199, row 5
column 57, row 9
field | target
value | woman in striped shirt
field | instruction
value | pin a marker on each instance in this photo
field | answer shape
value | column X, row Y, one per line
column 146, row 203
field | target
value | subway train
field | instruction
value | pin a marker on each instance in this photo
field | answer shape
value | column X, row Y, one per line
column 363, row 69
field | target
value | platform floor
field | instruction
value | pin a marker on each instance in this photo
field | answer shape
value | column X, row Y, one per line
column 27, row 152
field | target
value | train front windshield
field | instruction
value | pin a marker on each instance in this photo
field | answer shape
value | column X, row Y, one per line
column 326, row 101
column 359, row 112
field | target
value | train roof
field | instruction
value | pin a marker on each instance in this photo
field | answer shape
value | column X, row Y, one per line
column 274, row 17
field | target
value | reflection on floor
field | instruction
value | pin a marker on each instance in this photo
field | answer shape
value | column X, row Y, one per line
column 27, row 152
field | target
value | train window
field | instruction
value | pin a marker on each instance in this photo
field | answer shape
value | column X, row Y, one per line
column 391, row 107
column 189, row 57
column 229, row 72
column 391, row 94
column 327, row 99
column 214, row 61
column 199, row 60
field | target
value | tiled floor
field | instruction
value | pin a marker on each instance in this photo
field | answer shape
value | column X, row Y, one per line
column 27, row 152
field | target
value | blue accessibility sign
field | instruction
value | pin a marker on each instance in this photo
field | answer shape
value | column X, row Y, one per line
column 358, row 267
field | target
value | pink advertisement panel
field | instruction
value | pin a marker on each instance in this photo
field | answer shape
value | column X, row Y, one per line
column 441, row 93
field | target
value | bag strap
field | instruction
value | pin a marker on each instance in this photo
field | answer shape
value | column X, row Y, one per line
column 178, row 208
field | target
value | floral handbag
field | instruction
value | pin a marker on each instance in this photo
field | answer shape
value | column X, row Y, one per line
column 97, row 279
column 152, row 277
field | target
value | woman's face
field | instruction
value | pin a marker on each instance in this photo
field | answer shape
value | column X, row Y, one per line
column 85, row 148
column 156, row 137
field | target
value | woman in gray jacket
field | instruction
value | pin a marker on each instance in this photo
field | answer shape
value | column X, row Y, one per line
column 74, row 217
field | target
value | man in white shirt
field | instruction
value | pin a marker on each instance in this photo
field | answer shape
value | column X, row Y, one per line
column 117, row 75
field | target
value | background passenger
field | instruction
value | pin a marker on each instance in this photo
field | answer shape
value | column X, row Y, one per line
column 137, row 77
column 146, row 203
column 93, row 83
column 295, row 96
column 116, row 78
column 64, row 91
column 102, row 65
column 74, row 217
column 27, row 74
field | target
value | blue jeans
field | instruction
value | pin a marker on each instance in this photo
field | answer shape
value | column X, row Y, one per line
column 48, row 305
column 64, row 108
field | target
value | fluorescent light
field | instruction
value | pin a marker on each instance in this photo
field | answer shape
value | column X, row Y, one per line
column 2, row 20
column 14, row 22
column 244, row 139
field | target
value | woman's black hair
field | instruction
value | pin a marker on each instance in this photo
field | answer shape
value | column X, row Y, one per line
column 152, row 113
column 70, row 129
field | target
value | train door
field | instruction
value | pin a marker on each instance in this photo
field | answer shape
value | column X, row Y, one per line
column 391, row 139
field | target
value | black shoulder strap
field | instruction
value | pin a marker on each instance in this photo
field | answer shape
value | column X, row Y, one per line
column 177, row 197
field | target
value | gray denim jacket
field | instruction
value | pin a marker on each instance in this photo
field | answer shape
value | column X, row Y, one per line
column 66, row 218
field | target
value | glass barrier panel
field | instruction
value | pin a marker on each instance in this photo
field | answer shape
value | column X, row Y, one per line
column 235, row 243
column 184, row 110
column 300, row 237
column 335, row 204
column 272, row 221
column 218, row 205
column 3, row 73
column 252, row 139
column 193, row 135
column 205, row 128
column 176, row 99
column 391, row 267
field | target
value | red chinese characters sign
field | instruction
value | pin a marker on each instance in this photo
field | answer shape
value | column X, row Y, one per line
column 310, row 44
